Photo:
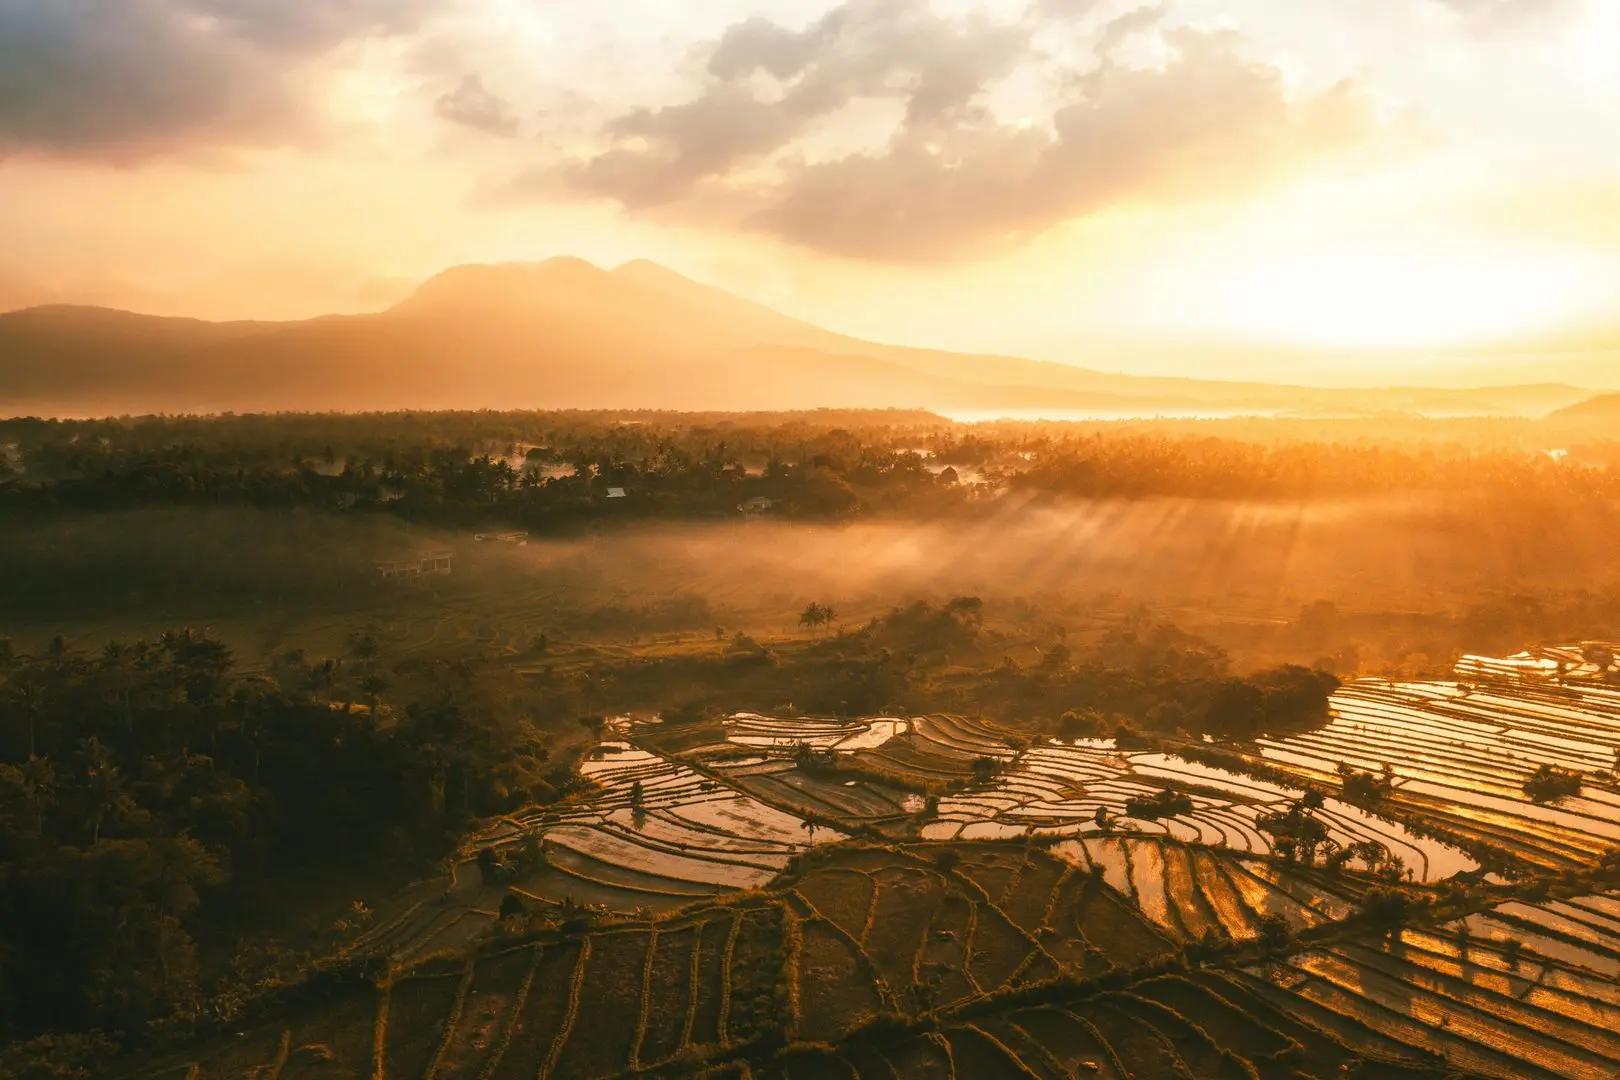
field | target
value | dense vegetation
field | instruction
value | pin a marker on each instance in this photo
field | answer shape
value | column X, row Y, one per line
column 551, row 471
column 149, row 795
column 926, row 657
column 186, row 821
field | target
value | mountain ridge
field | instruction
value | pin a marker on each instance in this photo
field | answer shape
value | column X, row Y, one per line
column 1604, row 408
column 565, row 333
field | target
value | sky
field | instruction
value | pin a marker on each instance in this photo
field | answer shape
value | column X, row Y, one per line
column 1327, row 189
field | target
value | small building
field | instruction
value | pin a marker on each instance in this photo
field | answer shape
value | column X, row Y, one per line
column 755, row 506
column 503, row 537
column 431, row 564
column 615, row 493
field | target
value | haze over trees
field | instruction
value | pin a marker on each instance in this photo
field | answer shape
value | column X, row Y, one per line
column 613, row 710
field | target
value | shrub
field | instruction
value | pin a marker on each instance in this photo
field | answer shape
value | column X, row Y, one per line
column 1275, row 933
column 1386, row 908
column 1550, row 782
column 1166, row 803
column 1365, row 788
column 1128, row 738
column 1080, row 724
column 812, row 760
column 491, row 867
column 687, row 712
column 984, row 769
column 1292, row 696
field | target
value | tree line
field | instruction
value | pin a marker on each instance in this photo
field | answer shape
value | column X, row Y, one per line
column 555, row 471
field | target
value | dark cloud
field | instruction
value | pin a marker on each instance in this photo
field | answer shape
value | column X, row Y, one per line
column 130, row 78
column 954, row 178
column 471, row 104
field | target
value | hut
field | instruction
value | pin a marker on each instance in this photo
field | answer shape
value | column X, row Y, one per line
column 428, row 564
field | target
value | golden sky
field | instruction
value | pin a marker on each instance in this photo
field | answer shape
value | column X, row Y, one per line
column 1062, row 178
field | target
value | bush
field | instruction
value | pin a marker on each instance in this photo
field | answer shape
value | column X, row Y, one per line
column 1236, row 707
column 687, row 712
column 1166, row 803
column 1386, row 908
column 813, row 760
column 1292, row 696
column 1128, row 738
column 985, row 769
column 1080, row 724
column 1365, row 788
column 1550, row 782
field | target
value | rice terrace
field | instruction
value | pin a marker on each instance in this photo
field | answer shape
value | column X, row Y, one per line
column 941, row 896
column 589, row 744
column 809, row 540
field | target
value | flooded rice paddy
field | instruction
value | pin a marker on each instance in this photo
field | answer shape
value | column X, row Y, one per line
column 732, row 812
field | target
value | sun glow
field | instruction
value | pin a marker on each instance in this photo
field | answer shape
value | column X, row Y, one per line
column 1387, row 300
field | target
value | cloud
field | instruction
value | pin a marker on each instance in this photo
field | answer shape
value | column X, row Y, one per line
column 471, row 105
column 1493, row 15
column 126, row 79
column 1209, row 123
column 1065, row 9
column 954, row 177
column 1493, row 7
column 861, row 49
column 1136, row 21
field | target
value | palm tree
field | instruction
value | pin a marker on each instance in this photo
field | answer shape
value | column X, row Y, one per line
column 104, row 786
column 816, row 616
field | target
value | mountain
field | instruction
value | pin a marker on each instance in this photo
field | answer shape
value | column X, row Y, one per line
column 1603, row 410
column 567, row 334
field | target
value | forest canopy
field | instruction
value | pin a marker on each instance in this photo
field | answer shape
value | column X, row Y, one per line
column 552, row 472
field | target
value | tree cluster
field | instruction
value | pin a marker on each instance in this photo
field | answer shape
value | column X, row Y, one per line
column 149, row 794
column 551, row 472
column 1549, row 782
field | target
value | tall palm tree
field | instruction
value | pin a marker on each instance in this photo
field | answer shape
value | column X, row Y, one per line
column 104, row 785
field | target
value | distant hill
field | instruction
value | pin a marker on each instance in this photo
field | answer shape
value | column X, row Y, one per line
column 1603, row 409
column 567, row 334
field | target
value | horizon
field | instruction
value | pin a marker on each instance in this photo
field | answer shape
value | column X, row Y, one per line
column 1488, row 369
column 1182, row 189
